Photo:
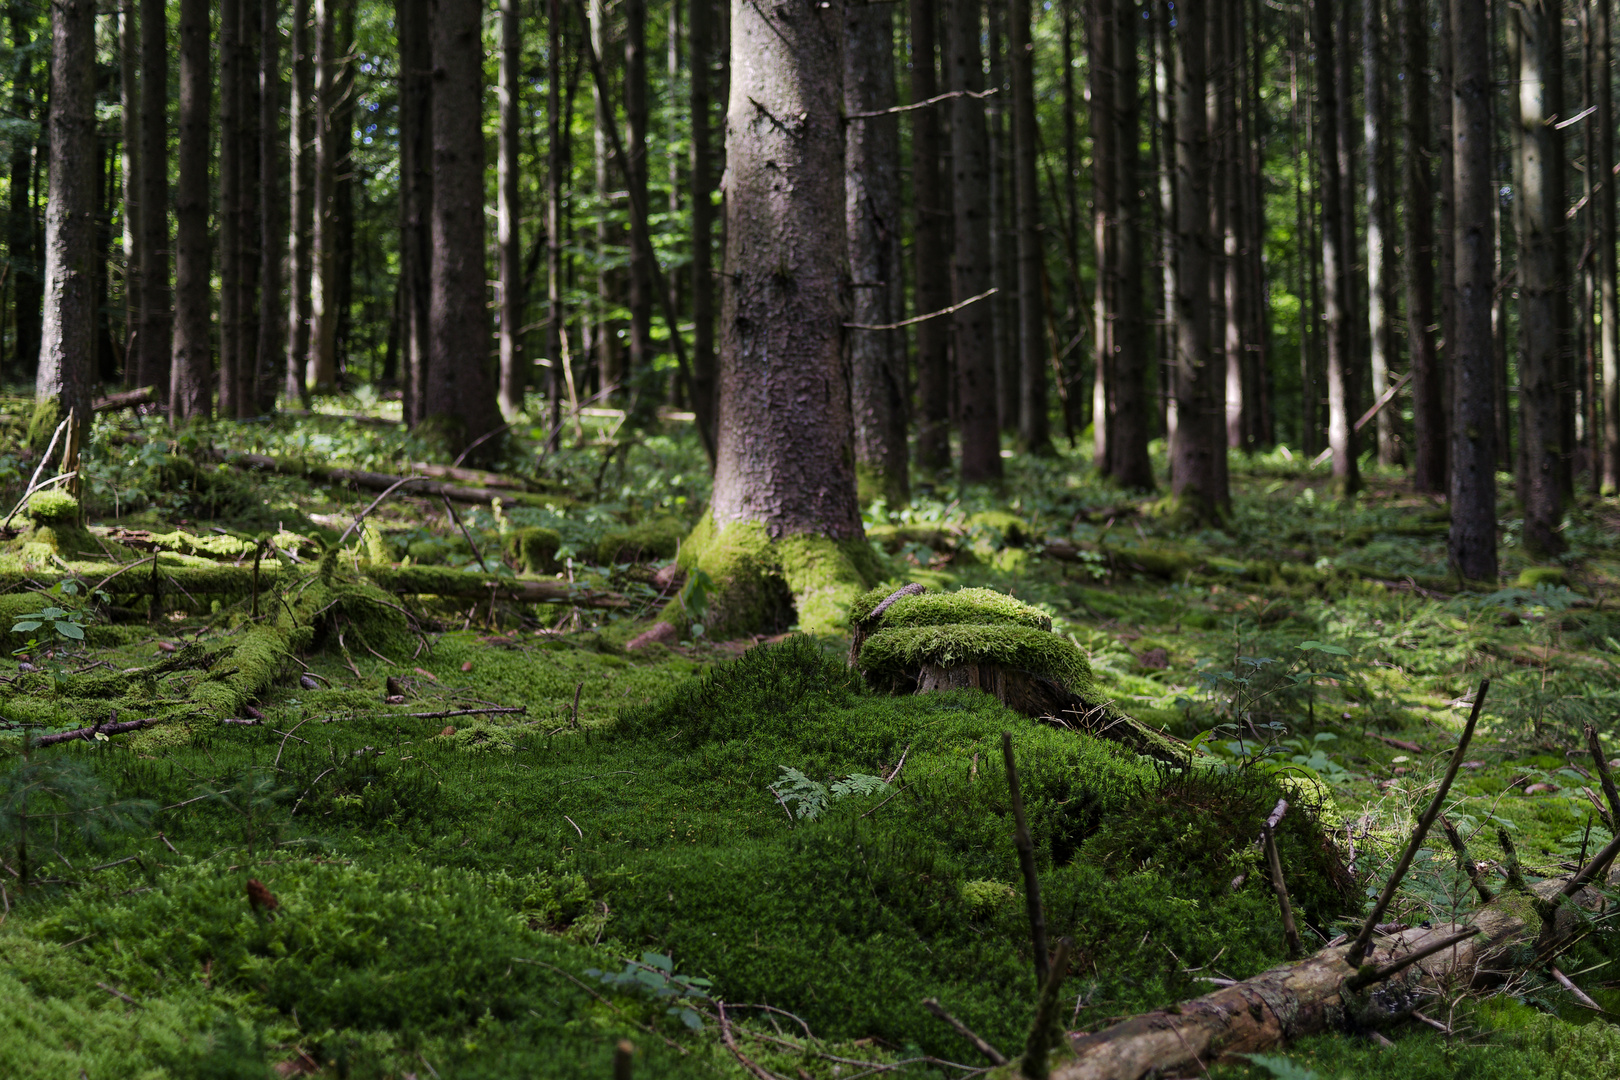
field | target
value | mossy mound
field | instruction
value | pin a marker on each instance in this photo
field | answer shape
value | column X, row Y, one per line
column 657, row 539
column 894, row 656
column 763, row 584
column 979, row 606
column 1534, row 576
column 532, row 550
column 51, row 507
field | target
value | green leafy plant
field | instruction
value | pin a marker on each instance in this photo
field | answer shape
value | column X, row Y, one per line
column 64, row 624
column 812, row 797
column 655, row 977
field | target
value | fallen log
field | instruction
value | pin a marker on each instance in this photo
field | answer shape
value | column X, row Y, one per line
column 475, row 477
column 1316, row 994
column 127, row 399
column 91, row 732
column 372, row 481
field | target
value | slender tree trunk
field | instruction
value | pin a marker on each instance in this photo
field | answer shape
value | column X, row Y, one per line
column 1197, row 478
column 1105, row 183
column 508, row 213
column 1543, row 270
column 1165, row 91
column 1128, row 446
column 1429, row 412
column 1303, row 248
column 872, row 216
column 1072, row 375
column 1034, row 426
column 1217, row 98
column 557, row 164
column 1231, row 130
column 1447, row 245
column 785, row 456
column 931, row 247
column 415, row 198
column 1264, row 427
column 672, row 115
column 700, row 46
column 1003, row 242
column 1336, row 258
column 1473, row 433
column 65, row 384
column 129, row 48
column 1604, row 192
column 151, row 351
column 267, row 379
column 21, row 248
column 190, row 387
column 460, row 393
column 1380, row 228
column 607, row 353
column 300, row 223
column 323, row 309
column 248, row 196
column 635, row 115
column 970, row 265
column 230, row 205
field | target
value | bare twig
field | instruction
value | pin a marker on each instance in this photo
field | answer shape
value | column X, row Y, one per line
column 1610, row 795
column 88, row 733
column 1026, row 861
column 902, row 764
column 470, row 542
column 1367, row 978
column 953, row 309
column 1358, row 948
column 284, row 739
column 935, row 100
column 120, row 995
column 33, row 481
column 492, row 710
column 1576, row 992
column 1280, row 887
column 731, row 1044
column 1464, row 860
column 375, row 503
column 996, row 1056
column 1044, row 1033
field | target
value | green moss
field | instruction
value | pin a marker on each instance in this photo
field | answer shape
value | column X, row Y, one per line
column 656, row 539
column 892, row 538
column 981, row 606
column 1532, row 576
column 533, row 550
column 1014, row 530
column 51, row 506
column 902, row 651
column 760, row 583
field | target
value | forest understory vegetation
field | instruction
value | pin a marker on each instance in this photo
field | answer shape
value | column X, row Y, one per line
column 380, row 822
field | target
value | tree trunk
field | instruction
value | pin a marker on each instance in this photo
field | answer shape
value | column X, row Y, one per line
column 1198, row 446
column 343, row 186
column 1543, row 270
column 1217, row 118
column 872, row 216
column 607, row 352
column 1473, row 433
column 1165, row 93
column 267, row 377
column 22, row 248
column 1105, row 180
column 323, row 311
column 65, row 383
column 1233, row 404
column 129, row 47
column 229, row 214
column 508, row 212
column 190, row 385
column 784, row 457
column 460, row 394
column 1604, row 193
column 301, row 206
column 1381, row 311
column 1337, row 259
column 1034, row 427
column 415, row 198
column 1446, row 243
column 931, row 246
column 701, row 46
column 557, row 164
column 1429, row 412
column 970, row 264
column 635, row 116
column 249, row 256
column 1130, row 424
column 1003, row 242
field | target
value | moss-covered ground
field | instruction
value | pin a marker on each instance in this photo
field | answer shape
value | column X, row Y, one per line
column 503, row 893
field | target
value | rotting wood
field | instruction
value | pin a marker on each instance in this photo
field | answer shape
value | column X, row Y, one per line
column 88, row 733
column 128, row 399
column 1311, row 996
column 374, row 481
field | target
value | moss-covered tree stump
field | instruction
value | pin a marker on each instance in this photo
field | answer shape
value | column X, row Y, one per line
column 912, row 641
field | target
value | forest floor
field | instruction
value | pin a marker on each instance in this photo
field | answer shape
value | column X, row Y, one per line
column 476, row 837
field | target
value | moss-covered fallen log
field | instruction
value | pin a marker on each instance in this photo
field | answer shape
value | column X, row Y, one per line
column 375, row 481
column 1317, row 994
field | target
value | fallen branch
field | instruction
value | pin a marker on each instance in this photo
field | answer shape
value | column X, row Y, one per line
column 362, row 478
column 995, row 1056
column 128, row 399
column 1279, row 886
column 491, row 711
column 88, row 733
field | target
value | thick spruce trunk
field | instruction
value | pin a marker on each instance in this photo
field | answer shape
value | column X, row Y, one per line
column 1381, row 311
column 300, row 218
column 931, row 247
column 1429, row 412
column 129, row 48
column 701, row 48
column 1337, row 258
column 267, row 379
column 415, row 199
column 65, row 383
column 1034, row 426
column 191, row 382
column 323, row 311
column 1131, row 423
column 230, row 205
column 1473, row 433
column 872, row 216
column 1608, row 300
column 249, row 115
column 640, row 298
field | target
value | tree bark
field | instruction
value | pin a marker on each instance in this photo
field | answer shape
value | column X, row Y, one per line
column 557, row 165
column 1128, row 447
column 508, row 212
column 230, row 207
column 1429, row 413
column 931, row 247
column 1165, row 97
column 607, row 351
column 1003, row 242
column 323, row 311
column 129, row 47
column 1337, row 259
column 636, row 169
column 301, row 206
column 1447, row 257
column 268, row 363
column 1034, row 426
column 190, row 385
column 22, row 233
column 460, row 394
column 1543, row 271
column 343, row 187
column 65, row 384
column 1233, row 403
column 785, row 456
column 250, row 255
column 701, row 47
column 415, row 198
column 1381, row 311
column 1603, row 191
column 1198, row 445
column 872, row 217
column 970, row 265
column 1473, row 435
column 1105, row 180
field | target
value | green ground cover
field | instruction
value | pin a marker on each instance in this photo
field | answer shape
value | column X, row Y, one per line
column 461, row 895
